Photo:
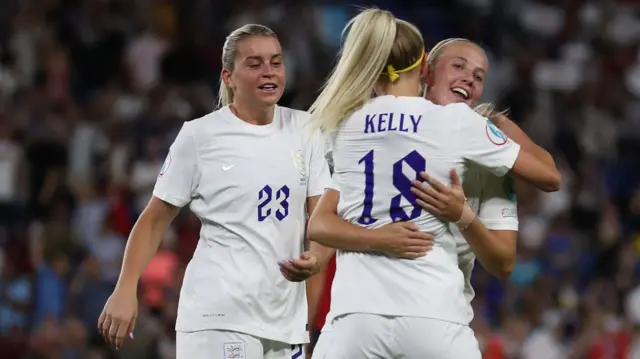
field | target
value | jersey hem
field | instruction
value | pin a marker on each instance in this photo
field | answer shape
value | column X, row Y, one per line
column 170, row 199
column 515, row 152
column 497, row 226
column 460, row 321
column 328, row 326
column 259, row 333
column 316, row 192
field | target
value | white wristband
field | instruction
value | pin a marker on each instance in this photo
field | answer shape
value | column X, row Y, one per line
column 467, row 217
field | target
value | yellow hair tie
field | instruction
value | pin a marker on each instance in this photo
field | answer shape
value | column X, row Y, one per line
column 393, row 73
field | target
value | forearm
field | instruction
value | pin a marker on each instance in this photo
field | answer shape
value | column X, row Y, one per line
column 495, row 255
column 143, row 243
column 526, row 143
column 315, row 290
column 332, row 231
column 322, row 253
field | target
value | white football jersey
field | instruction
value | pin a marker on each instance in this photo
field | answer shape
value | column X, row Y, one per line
column 494, row 201
column 376, row 153
column 248, row 185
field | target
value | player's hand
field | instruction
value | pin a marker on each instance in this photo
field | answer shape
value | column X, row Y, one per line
column 297, row 270
column 118, row 317
column 403, row 240
column 439, row 199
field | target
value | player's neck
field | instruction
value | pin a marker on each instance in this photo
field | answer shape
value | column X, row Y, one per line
column 255, row 115
column 402, row 87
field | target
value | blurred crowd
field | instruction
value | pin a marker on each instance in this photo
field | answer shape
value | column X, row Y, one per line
column 92, row 93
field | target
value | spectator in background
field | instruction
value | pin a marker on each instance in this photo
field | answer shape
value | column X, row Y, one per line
column 12, row 173
column 145, row 171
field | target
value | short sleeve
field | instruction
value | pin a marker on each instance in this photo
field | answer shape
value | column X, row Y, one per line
column 319, row 175
column 481, row 142
column 328, row 152
column 498, row 206
column 333, row 184
column 179, row 176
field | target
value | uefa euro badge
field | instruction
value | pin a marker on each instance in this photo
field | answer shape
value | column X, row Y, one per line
column 496, row 136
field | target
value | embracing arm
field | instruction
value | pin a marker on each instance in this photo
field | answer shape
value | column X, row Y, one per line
column 399, row 240
column 328, row 229
column 316, row 283
column 495, row 249
column 321, row 252
column 498, row 212
column 481, row 142
column 514, row 132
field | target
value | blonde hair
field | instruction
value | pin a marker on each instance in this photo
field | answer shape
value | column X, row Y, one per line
column 229, row 52
column 489, row 111
column 439, row 48
column 375, row 43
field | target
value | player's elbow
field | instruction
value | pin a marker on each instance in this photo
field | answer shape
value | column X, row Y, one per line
column 315, row 229
column 543, row 176
column 552, row 182
column 504, row 272
column 500, row 268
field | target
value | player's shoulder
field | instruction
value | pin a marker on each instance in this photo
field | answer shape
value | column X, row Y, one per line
column 203, row 122
column 297, row 121
column 202, row 126
column 462, row 111
column 404, row 102
column 293, row 117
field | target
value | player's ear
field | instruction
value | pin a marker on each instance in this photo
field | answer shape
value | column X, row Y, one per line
column 424, row 68
column 225, row 74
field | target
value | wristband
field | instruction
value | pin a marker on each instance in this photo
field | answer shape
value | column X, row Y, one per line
column 467, row 217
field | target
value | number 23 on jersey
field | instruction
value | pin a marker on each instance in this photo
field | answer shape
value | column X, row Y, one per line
column 400, row 182
column 280, row 204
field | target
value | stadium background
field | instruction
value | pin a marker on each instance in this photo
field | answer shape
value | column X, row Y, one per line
column 92, row 93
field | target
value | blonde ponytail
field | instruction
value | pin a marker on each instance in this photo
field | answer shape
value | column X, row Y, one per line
column 225, row 95
column 368, row 45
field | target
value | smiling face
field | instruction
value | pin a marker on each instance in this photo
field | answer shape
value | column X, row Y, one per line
column 258, row 75
column 458, row 75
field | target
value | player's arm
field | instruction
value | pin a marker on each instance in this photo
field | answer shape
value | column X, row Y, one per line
column 322, row 253
column 484, row 144
column 316, row 283
column 514, row 132
column 495, row 250
column 324, row 212
column 174, row 187
column 399, row 240
column 319, row 180
column 328, row 229
column 144, row 240
column 449, row 203
column 315, row 290
column 498, row 213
